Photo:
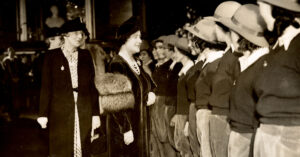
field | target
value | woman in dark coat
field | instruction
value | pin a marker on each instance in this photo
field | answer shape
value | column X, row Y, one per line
column 68, row 96
column 129, row 127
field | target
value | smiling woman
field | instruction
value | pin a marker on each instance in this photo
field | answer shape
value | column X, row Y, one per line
column 128, row 127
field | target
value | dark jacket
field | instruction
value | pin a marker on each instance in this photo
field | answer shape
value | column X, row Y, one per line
column 57, row 101
column 134, row 119
column 183, row 103
column 161, row 77
column 222, row 83
column 278, row 88
column 192, row 77
column 203, row 85
column 166, row 81
column 242, row 116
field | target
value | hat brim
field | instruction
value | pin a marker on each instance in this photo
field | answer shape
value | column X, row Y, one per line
column 211, row 18
column 199, row 35
column 257, row 40
column 289, row 5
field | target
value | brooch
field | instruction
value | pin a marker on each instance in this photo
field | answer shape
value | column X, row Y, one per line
column 265, row 63
column 62, row 68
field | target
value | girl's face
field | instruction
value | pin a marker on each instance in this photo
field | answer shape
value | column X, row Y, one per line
column 134, row 42
column 160, row 50
column 144, row 56
column 55, row 42
column 177, row 55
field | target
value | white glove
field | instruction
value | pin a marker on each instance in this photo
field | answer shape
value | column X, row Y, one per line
column 151, row 98
column 95, row 124
column 43, row 122
column 186, row 129
column 128, row 137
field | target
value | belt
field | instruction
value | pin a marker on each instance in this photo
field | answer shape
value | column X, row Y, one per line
column 75, row 90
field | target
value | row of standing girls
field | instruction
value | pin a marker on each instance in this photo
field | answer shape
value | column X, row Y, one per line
column 238, row 86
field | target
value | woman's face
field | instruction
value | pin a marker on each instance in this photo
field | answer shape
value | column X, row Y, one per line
column 55, row 42
column 160, row 50
column 144, row 56
column 74, row 38
column 134, row 42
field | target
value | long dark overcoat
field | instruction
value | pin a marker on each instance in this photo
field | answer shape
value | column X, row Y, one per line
column 135, row 119
column 57, row 101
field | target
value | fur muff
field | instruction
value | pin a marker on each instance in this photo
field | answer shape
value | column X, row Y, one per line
column 117, row 102
column 115, row 92
column 109, row 83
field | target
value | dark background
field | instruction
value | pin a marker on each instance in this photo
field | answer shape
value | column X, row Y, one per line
column 161, row 16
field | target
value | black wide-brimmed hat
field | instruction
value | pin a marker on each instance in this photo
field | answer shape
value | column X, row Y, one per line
column 73, row 25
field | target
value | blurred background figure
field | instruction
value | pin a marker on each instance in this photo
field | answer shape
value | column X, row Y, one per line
column 11, row 67
column 147, row 58
column 53, row 38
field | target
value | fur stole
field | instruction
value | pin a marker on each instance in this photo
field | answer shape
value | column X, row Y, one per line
column 115, row 91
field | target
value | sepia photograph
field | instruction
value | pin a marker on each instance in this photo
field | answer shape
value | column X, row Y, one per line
column 149, row 78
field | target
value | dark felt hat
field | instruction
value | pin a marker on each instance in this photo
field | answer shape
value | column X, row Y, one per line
column 127, row 29
column 52, row 32
column 73, row 25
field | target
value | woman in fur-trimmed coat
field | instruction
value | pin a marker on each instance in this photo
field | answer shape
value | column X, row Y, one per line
column 128, row 127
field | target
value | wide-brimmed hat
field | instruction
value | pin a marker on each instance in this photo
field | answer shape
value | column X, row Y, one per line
column 183, row 44
column 248, row 22
column 225, row 10
column 204, row 29
column 171, row 39
column 159, row 39
column 73, row 25
column 291, row 5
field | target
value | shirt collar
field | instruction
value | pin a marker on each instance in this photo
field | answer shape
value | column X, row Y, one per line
column 212, row 56
column 185, row 68
column 289, row 34
column 247, row 60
